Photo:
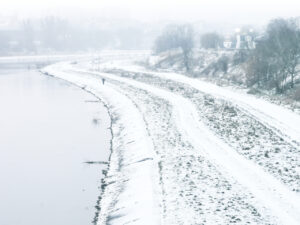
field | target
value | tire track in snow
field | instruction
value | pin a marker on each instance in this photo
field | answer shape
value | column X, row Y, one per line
column 218, row 200
column 285, row 122
column 241, row 130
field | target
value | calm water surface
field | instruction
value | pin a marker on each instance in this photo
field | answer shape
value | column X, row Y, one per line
column 48, row 129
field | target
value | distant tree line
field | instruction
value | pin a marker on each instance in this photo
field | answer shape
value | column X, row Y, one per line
column 46, row 34
column 182, row 37
column 177, row 37
column 53, row 34
column 211, row 40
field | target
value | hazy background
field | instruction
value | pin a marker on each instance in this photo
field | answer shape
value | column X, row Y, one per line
column 122, row 24
column 246, row 11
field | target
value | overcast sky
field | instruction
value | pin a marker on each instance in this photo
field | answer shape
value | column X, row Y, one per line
column 238, row 11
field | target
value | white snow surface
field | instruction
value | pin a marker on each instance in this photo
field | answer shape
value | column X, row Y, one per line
column 95, row 56
column 284, row 120
column 134, row 195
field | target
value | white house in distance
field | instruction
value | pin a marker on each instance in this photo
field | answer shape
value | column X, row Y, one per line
column 228, row 43
column 242, row 39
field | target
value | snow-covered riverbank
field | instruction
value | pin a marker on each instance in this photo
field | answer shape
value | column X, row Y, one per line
column 200, row 174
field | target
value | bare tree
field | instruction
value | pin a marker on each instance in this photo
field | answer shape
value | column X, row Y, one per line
column 277, row 54
column 284, row 44
column 211, row 40
column 55, row 33
column 28, row 35
column 3, row 42
column 177, row 36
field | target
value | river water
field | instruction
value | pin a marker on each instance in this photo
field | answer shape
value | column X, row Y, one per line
column 48, row 129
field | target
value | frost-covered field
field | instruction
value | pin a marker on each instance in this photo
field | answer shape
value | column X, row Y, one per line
column 188, row 152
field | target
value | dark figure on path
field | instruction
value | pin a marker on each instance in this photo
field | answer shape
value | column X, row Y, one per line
column 103, row 80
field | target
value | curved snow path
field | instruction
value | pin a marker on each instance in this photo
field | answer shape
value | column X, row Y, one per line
column 286, row 122
column 273, row 194
column 284, row 204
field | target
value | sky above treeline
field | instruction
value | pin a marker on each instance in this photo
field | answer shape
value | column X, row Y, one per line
column 237, row 11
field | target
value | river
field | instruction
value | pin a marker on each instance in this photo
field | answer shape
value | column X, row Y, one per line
column 48, row 129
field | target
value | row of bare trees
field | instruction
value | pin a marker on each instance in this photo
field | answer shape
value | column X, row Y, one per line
column 211, row 40
column 56, row 34
column 30, row 35
column 273, row 63
column 177, row 37
column 182, row 37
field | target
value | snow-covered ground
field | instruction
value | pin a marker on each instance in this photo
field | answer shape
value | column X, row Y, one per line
column 93, row 56
column 189, row 152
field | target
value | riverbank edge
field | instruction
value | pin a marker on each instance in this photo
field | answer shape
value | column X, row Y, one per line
column 104, row 172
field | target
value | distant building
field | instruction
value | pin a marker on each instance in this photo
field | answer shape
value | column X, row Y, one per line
column 243, row 39
column 227, row 43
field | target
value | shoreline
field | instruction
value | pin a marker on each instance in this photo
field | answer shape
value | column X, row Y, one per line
column 131, row 190
column 104, row 171
column 57, row 138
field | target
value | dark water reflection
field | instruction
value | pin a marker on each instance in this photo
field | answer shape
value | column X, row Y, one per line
column 47, row 130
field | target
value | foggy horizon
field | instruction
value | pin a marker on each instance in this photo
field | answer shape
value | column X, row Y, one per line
column 215, row 11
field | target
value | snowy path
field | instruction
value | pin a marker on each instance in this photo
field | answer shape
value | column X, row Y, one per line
column 267, row 191
column 283, row 120
column 238, row 128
